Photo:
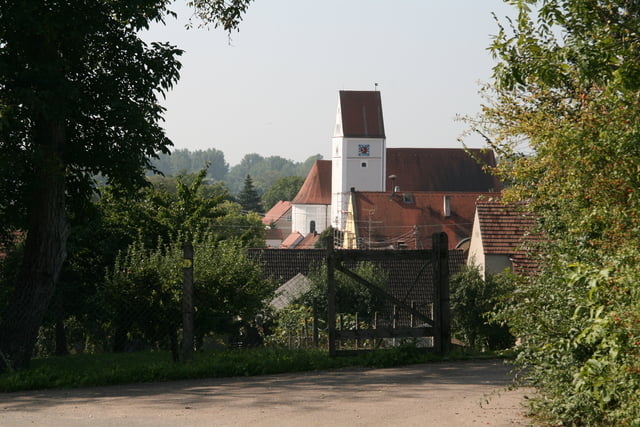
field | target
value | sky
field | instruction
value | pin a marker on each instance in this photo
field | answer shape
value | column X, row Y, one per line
column 272, row 88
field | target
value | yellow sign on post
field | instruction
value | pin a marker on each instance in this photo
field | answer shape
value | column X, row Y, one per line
column 187, row 263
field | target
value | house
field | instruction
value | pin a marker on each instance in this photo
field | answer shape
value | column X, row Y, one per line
column 499, row 237
column 407, row 220
column 278, row 223
column 361, row 163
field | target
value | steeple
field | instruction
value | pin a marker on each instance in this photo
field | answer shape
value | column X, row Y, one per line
column 358, row 149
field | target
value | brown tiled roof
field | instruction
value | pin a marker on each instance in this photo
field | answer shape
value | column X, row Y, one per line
column 276, row 212
column 503, row 226
column 408, row 219
column 316, row 189
column 440, row 169
column 309, row 241
column 361, row 114
column 292, row 240
column 506, row 230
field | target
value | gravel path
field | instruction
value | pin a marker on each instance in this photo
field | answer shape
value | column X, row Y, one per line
column 471, row 393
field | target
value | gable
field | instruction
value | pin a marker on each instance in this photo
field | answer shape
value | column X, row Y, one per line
column 279, row 210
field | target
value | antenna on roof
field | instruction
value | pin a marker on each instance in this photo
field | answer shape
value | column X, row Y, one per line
column 375, row 85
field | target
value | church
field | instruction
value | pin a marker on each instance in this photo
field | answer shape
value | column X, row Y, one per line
column 380, row 197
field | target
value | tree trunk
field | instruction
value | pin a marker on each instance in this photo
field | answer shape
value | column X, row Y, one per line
column 45, row 248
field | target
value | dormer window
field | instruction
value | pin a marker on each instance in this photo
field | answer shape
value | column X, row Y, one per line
column 446, row 206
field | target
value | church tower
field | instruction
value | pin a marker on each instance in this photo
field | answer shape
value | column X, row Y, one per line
column 358, row 150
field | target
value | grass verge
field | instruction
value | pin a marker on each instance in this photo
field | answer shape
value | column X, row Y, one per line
column 86, row 370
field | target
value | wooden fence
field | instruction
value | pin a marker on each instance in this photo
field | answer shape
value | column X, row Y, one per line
column 434, row 322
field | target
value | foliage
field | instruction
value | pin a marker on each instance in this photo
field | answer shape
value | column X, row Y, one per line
column 142, row 294
column 294, row 320
column 351, row 296
column 249, row 197
column 285, row 188
column 79, row 97
column 266, row 170
column 184, row 204
column 183, row 161
column 472, row 300
column 79, row 94
column 564, row 114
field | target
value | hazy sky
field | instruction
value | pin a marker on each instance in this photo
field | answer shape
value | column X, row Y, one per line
column 273, row 88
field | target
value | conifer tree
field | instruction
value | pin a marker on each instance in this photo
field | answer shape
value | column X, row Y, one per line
column 249, row 197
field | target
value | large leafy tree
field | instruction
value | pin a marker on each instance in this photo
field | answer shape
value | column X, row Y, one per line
column 564, row 114
column 284, row 188
column 78, row 97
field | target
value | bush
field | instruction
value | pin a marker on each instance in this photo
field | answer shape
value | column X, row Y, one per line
column 472, row 302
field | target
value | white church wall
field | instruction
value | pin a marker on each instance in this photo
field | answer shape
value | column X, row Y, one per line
column 302, row 215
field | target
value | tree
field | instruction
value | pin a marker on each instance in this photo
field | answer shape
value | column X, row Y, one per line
column 285, row 188
column 249, row 197
column 142, row 294
column 567, row 86
column 473, row 300
column 78, row 97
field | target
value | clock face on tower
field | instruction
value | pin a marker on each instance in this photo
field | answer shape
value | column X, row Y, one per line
column 363, row 150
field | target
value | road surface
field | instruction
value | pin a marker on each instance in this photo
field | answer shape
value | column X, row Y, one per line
column 469, row 393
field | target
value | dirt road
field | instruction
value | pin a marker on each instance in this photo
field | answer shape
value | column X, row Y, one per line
column 439, row 394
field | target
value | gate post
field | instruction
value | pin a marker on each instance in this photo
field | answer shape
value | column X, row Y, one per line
column 440, row 263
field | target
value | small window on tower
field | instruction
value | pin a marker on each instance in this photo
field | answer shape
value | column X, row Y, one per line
column 363, row 164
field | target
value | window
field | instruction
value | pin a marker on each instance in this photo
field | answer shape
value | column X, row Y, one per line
column 312, row 227
column 446, row 208
column 363, row 164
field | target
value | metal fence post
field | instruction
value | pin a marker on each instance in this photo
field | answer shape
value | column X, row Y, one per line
column 331, row 297
column 187, row 302
column 440, row 263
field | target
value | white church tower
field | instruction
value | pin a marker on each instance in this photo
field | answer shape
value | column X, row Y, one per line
column 358, row 150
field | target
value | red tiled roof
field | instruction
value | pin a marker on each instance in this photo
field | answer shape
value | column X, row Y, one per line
column 316, row 189
column 409, row 219
column 440, row 169
column 361, row 114
column 292, row 240
column 276, row 212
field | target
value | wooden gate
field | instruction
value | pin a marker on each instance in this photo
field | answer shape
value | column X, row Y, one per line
column 436, row 323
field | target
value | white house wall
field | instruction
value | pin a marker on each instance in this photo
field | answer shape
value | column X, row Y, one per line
column 486, row 263
column 476, row 249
